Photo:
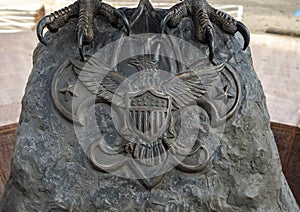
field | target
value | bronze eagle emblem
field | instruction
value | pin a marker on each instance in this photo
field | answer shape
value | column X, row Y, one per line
column 147, row 100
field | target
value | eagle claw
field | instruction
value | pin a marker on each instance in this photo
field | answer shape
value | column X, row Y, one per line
column 43, row 23
column 203, row 15
column 84, row 10
column 244, row 32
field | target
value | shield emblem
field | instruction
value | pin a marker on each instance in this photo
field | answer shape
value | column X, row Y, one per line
column 148, row 114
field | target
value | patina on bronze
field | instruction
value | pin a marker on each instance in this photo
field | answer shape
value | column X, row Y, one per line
column 148, row 106
column 202, row 14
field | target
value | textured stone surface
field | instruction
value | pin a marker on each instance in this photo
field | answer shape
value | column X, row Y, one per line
column 51, row 172
column 284, row 143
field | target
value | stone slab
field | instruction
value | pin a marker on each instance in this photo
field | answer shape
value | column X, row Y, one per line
column 50, row 170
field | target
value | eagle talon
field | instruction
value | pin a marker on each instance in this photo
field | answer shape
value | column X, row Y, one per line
column 124, row 21
column 41, row 26
column 80, row 36
column 165, row 20
column 203, row 15
column 244, row 32
column 211, row 43
column 84, row 10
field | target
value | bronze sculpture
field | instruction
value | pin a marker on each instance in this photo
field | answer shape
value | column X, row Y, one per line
column 150, row 106
column 202, row 14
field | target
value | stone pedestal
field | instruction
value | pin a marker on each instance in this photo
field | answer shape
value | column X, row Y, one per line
column 68, row 131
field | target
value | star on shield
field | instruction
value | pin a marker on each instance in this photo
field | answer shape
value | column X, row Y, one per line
column 224, row 94
column 68, row 91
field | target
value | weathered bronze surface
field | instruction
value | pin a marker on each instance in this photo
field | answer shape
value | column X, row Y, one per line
column 202, row 14
column 152, row 108
column 149, row 111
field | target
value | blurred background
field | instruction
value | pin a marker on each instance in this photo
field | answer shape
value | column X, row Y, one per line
column 275, row 47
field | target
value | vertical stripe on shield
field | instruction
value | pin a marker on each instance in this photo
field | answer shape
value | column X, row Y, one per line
column 157, row 121
column 140, row 120
column 152, row 124
column 147, row 121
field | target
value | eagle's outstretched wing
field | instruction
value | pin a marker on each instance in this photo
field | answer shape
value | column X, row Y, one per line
column 189, row 86
column 100, row 80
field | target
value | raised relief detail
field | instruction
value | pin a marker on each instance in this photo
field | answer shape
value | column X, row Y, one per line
column 203, row 15
column 68, row 91
column 162, row 120
column 149, row 103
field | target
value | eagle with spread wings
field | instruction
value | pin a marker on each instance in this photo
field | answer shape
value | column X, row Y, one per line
column 183, row 88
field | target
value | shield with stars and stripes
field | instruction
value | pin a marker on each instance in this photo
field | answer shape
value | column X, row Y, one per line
column 148, row 114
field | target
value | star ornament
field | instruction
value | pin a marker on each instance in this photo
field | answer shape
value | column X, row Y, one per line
column 68, row 91
column 224, row 94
